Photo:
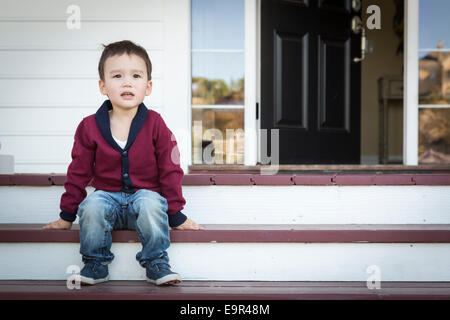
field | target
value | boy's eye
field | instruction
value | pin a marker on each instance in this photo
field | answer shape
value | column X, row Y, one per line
column 135, row 75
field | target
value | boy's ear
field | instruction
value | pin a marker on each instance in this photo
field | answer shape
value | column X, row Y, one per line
column 101, row 85
column 148, row 90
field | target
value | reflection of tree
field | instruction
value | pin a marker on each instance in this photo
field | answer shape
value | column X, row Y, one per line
column 434, row 131
column 221, row 120
column 434, row 77
column 217, row 91
column 226, row 121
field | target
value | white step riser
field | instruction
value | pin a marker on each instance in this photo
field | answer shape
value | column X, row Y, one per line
column 244, row 261
column 266, row 204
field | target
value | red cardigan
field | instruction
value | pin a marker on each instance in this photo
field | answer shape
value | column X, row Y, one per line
column 145, row 163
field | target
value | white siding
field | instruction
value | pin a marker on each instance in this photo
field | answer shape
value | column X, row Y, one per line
column 49, row 78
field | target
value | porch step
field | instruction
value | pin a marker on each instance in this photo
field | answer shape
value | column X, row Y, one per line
column 220, row 290
column 266, row 204
column 245, row 253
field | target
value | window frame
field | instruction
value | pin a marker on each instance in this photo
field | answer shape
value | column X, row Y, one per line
column 411, row 92
column 251, row 59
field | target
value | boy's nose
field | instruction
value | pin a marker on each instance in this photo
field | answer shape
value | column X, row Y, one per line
column 126, row 84
column 127, row 80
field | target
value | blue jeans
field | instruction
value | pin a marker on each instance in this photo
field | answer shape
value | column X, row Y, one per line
column 144, row 211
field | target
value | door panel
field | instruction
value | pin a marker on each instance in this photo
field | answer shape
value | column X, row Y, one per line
column 339, row 5
column 334, row 87
column 291, row 80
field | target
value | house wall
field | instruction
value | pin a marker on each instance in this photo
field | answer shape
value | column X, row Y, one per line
column 383, row 61
column 49, row 78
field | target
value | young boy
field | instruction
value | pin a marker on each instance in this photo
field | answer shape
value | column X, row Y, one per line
column 132, row 158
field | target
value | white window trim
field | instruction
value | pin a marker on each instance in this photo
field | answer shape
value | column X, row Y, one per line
column 251, row 82
column 189, row 84
column 411, row 84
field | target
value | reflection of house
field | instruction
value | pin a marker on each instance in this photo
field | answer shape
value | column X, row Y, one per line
column 434, row 76
column 431, row 156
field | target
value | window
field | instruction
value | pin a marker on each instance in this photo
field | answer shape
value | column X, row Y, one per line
column 434, row 81
column 217, row 84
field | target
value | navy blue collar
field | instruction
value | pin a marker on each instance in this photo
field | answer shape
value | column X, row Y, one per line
column 102, row 119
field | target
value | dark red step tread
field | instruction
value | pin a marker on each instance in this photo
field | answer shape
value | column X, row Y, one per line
column 223, row 290
column 206, row 179
column 400, row 233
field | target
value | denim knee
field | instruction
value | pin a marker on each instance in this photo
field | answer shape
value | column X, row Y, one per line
column 151, row 208
column 96, row 209
column 147, row 201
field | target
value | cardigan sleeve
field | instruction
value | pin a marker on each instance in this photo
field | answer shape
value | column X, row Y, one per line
column 169, row 170
column 79, row 173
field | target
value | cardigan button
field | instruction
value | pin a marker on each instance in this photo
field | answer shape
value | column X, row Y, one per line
column 125, row 175
column 125, row 153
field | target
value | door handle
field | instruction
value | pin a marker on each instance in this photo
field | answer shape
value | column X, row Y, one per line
column 357, row 28
column 356, row 5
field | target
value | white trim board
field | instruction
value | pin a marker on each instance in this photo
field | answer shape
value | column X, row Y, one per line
column 243, row 261
column 176, row 64
column 411, row 92
column 251, row 53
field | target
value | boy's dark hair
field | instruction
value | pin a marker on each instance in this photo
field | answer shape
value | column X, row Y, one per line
column 119, row 48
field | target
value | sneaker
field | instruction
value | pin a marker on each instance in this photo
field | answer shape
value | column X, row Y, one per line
column 93, row 273
column 158, row 272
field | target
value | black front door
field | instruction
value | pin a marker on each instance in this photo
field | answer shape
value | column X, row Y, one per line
column 310, row 85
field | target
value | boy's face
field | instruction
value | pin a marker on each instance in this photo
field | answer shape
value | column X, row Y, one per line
column 125, row 73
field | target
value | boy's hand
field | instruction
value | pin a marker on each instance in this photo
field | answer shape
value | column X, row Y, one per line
column 59, row 224
column 189, row 225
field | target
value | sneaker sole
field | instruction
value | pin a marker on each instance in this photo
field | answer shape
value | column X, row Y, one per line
column 166, row 280
column 90, row 281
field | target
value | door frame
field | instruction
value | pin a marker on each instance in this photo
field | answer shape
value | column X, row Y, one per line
column 410, row 76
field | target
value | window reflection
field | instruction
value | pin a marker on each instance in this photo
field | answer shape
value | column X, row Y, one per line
column 217, row 136
column 434, row 78
column 217, row 78
column 434, row 135
column 217, row 24
column 434, row 52
column 434, row 24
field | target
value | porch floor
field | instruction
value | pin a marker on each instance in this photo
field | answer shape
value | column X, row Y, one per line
column 224, row 290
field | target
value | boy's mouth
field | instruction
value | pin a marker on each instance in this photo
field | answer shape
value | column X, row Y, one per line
column 127, row 95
